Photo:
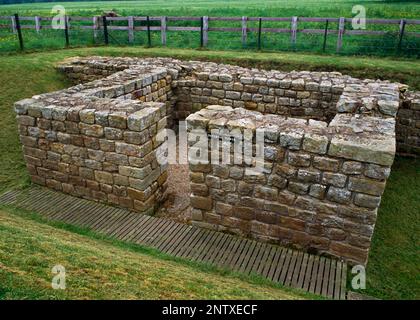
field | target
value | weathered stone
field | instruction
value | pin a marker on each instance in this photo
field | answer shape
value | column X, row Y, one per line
column 372, row 187
column 338, row 195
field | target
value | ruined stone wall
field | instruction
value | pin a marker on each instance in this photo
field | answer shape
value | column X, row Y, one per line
column 320, row 187
column 329, row 145
column 408, row 125
column 98, row 141
column 196, row 85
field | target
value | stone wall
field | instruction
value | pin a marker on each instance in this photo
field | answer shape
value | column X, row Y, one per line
column 329, row 144
column 408, row 125
column 320, row 187
column 98, row 140
column 311, row 95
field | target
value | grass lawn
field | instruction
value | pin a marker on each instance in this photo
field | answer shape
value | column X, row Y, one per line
column 394, row 260
column 99, row 269
column 283, row 8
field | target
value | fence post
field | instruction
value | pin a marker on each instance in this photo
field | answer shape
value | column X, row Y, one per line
column 401, row 33
column 163, row 30
column 66, row 30
column 325, row 36
column 37, row 24
column 293, row 30
column 244, row 31
column 19, row 31
column 149, row 39
column 341, row 24
column 105, row 30
column 205, row 30
column 95, row 26
column 13, row 20
column 259, row 33
column 130, row 20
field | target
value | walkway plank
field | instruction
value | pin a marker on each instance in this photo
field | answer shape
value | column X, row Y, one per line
column 320, row 275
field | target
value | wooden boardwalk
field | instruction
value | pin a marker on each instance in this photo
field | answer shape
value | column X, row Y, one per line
column 311, row 273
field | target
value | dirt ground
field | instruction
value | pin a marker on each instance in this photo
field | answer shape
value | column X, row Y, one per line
column 177, row 206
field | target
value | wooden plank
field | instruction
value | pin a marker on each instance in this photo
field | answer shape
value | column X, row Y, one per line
column 215, row 248
column 205, row 31
column 320, row 274
column 314, row 276
column 190, row 250
column 173, row 28
column 116, row 18
column 340, row 34
column 187, row 246
column 366, row 32
column 140, row 235
column 259, row 267
column 224, row 250
column 337, row 281
column 37, row 24
column 291, row 268
column 120, row 28
column 118, row 222
column 184, row 18
column 230, row 252
column 285, row 267
column 209, row 247
column 225, row 18
column 253, row 259
column 112, row 218
column 343, row 290
column 241, row 247
column 175, row 246
column 269, row 262
column 101, row 215
column 95, row 26
column 308, row 273
column 325, row 277
column 173, row 235
column 158, row 232
column 244, row 30
column 226, row 29
column 163, row 24
column 331, row 279
column 93, row 212
column 298, row 270
column 150, row 234
column 244, row 260
column 8, row 197
column 275, row 264
column 13, row 22
column 293, row 30
column 130, row 29
column 280, row 265
column 123, row 226
column 144, row 28
column 131, row 232
column 164, row 233
column 184, row 243
column 200, row 245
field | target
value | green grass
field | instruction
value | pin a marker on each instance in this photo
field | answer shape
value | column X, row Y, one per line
column 393, row 268
column 99, row 268
column 286, row 8
column 394, row 261
column 360, row 45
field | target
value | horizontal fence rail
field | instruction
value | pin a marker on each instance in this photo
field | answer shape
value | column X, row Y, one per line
column 102, row 26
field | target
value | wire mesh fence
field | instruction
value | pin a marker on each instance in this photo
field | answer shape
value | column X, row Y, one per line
column 330, row 35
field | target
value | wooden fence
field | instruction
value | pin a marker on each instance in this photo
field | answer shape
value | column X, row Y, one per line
column 102, row 24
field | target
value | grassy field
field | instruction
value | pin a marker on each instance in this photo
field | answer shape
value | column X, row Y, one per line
column 103, row 269
column 361, row 45
column 394, row 260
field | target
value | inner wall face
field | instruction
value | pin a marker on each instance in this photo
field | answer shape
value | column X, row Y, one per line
column 328, row 145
